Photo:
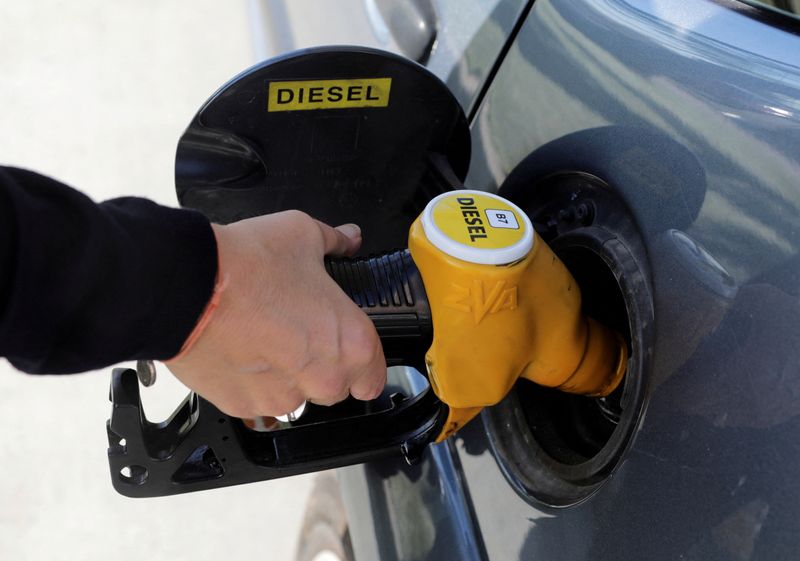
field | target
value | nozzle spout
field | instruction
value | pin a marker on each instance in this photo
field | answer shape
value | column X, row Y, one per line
column 601, row 368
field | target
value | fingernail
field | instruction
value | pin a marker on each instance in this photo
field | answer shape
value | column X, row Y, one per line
column 377, row 392
column 350, row 230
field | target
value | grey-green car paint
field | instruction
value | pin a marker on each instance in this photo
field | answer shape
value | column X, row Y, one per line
column 712, row 470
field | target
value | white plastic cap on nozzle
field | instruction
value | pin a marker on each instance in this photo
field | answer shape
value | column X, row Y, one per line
column 478, row 227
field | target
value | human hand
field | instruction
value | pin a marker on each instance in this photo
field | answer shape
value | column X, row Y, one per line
column 283, row 332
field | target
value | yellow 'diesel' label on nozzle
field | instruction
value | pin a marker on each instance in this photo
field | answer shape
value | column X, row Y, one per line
column 503, row 307
column 477, row 220
column 478, row 227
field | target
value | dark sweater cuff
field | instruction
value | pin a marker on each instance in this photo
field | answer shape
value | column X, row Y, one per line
column 193, row 263
column 89, row 285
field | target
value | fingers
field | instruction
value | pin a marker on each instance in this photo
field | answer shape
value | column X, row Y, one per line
column 342, row 240
column 364, row 348
column 370, row 385
column 361, row 346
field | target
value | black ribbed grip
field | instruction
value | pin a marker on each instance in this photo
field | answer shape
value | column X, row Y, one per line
column 389, row 289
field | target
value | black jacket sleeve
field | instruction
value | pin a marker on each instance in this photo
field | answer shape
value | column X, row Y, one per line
column 85, row 285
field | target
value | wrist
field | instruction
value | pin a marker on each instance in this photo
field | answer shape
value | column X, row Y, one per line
column 220, row 284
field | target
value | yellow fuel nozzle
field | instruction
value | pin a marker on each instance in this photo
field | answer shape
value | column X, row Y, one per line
column 503, row 306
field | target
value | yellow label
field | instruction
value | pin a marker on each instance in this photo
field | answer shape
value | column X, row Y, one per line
column 348, row 93
column 478, row 221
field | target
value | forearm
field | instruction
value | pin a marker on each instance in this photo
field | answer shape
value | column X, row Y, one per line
column 8, row 242
column 88, row 285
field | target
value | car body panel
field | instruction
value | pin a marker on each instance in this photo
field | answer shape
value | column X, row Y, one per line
column 470, row 34
column 627, row 88
column 398, row 512
column 690, row 111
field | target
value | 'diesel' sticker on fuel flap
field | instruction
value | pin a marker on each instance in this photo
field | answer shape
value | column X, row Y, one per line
column 346, row 93
column 478, row 227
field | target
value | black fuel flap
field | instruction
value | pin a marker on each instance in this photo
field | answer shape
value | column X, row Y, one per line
column 346, row 134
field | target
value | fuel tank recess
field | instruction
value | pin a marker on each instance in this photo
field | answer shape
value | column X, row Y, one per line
column 556, row 448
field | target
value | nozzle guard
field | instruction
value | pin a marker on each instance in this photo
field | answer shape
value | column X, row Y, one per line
column 503, row 307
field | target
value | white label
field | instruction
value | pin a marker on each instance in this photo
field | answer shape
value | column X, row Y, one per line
column 502, row 219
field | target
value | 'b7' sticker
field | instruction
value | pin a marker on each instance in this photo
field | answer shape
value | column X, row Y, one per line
column 502, row 219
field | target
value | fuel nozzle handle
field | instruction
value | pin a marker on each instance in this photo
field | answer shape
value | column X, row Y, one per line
column 389, row 289
column 503, row 306
column 485, row 301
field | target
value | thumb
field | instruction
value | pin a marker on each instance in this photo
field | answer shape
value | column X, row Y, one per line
column 342, row 240
column 352, row 231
